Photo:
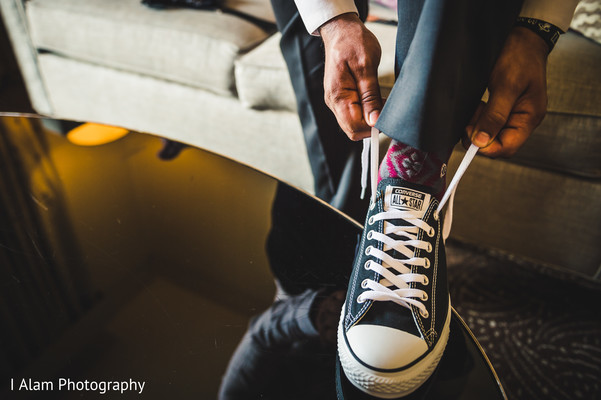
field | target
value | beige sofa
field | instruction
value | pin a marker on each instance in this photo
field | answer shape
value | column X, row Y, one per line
column 218, row 81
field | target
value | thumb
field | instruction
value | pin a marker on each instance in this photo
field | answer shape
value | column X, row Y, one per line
column 370, row 97
column 492, row 118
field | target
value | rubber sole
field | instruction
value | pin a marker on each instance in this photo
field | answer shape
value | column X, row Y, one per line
column 395, row 384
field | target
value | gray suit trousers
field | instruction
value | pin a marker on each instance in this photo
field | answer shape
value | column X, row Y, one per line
column 445, row 52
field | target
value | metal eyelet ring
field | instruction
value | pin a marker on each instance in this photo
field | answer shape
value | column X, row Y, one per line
column 364, row 283
column 370, row 235
column 436, row 216
column 367, row 265
column 431, row 232
column 427, row 263
column 424, row 314
column 368, row 250
column 360, row 300
column 371, row 220
column 426, row 281
column 425, row 296
column 429, row 249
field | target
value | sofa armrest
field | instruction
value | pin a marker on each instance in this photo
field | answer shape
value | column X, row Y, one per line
column 13, row 13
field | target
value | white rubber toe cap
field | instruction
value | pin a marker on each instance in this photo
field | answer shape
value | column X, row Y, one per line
column 384, row 347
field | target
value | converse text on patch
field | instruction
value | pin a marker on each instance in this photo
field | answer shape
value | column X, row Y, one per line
column 407, row 199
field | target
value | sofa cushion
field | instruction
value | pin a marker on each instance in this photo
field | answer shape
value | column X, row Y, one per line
column 263, row 81
column 573, row 78
column 262, row 78
column 529, row 212
column 566, row 143
column 192, row 47
column 259, row 9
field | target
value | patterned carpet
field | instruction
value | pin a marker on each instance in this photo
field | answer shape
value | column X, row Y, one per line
column 541, row 329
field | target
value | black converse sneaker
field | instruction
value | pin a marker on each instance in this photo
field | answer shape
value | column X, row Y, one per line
column 395, row 321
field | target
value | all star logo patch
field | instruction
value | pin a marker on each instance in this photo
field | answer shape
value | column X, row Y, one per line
column 407, row 199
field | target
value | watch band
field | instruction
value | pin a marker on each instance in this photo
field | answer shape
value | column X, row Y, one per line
column 547, row 31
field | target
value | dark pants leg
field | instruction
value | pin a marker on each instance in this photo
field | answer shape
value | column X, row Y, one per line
column 446, row 50
column 335, row 160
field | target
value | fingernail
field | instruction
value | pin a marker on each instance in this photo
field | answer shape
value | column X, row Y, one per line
column 373, row 117
column 481, row 139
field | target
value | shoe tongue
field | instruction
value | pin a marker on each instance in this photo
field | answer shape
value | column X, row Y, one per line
column 406, row 199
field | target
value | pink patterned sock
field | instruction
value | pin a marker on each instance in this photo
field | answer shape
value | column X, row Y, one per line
column 416, row 166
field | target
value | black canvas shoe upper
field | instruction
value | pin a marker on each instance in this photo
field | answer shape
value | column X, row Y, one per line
column 427, row 281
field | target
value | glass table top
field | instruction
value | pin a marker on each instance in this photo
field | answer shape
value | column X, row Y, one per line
column 136, row 267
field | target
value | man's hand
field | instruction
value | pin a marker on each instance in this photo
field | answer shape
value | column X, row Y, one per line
column 351, row 84
column 517, row 96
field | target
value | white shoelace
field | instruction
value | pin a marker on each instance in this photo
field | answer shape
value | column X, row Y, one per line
column 395, row 286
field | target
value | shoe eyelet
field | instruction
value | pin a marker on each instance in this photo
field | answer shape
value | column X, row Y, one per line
column 371, row 220
column 368, row 250
column 436, row 216
column 370, row 235
column 424, row 314
column 364, row 283
column 426, row 281
column 429, row 249
column 427, row 263
column 360, row 300
column 431, row 232
column 425, row 296
column 367, row 265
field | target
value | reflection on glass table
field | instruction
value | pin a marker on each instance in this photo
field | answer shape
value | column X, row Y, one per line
column 128, row 258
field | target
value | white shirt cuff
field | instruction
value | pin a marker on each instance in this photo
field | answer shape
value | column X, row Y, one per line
column 556, row 12
column 315, row 13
